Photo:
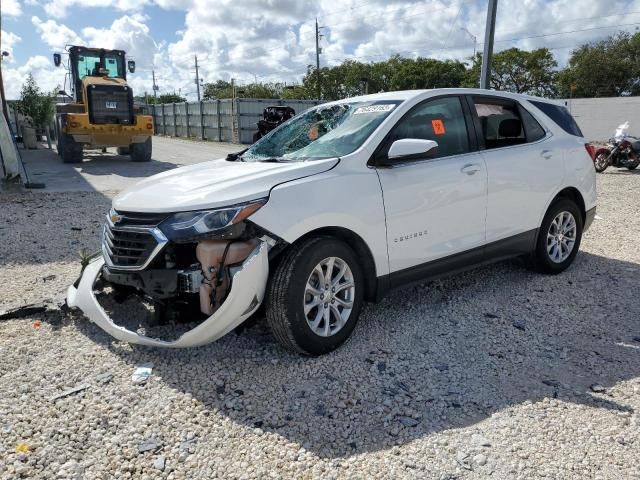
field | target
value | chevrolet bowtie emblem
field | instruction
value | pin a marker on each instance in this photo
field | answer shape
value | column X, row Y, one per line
column 115, row 218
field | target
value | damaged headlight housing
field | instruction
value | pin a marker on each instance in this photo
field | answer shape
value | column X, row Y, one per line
column 188, row 225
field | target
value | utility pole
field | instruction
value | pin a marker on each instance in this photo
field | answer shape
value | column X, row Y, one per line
column 318, row 59
column 197, row 77
column 155, row 87
column 5, row 111
column 489, row 33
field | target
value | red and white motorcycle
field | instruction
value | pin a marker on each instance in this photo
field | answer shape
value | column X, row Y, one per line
column 622, row 151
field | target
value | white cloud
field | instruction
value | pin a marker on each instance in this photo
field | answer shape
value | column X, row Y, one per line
column 45, row 74
column 61, row 8
column 56, row 35
column 9, row 39
column 274, row 40
column 11, row 8
column 128, row 33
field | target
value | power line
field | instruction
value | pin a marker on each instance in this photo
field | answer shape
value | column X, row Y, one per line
column 496, row 41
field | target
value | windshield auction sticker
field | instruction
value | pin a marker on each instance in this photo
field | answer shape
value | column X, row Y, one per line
column 386, row 107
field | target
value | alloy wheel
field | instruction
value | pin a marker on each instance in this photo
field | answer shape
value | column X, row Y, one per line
column 561, row 237
column 328, row 296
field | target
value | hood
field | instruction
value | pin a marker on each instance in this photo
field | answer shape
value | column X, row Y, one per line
column 213, row 184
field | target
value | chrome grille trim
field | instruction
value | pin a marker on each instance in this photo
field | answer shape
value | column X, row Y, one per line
column 109, row 234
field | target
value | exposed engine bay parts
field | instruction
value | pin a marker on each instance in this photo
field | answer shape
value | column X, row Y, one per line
column 246, row 293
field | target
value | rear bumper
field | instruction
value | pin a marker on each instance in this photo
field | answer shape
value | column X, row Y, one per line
column 246, row 295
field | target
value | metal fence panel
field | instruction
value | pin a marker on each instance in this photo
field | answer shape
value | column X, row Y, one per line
column 217, row 120
column 181, row 119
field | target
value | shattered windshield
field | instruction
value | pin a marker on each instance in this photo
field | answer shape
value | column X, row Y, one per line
column 326, row 131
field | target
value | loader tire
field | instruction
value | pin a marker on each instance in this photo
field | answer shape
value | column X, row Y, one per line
column 71, row 151
column 141, row 152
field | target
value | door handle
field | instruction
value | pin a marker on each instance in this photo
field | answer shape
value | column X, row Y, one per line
column 546, row 154
column 470, row 168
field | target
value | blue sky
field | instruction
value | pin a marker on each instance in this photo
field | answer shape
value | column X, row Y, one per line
column 273, row 40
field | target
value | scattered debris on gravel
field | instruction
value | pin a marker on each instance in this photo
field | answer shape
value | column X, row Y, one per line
column 497, row 372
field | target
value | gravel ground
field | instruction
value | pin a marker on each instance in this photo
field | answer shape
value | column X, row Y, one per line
column 497, row 372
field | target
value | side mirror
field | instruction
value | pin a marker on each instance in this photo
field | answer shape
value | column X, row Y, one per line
column 57, row 59
column 131, row 65
column 413, row 149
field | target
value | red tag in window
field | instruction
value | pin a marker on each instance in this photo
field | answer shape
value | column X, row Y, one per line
column 438, row 127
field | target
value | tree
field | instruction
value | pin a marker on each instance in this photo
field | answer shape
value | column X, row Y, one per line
column 35, row 104
column 608, row 68
column 519, row 71
column 224, row 89
column 352, row 78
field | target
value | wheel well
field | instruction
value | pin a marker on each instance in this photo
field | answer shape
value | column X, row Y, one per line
column 361, row 250
column 573, row 194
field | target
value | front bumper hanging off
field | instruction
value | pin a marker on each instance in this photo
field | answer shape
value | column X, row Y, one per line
column 247, row 291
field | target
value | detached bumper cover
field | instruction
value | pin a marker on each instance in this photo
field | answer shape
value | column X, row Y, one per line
column 246, row 295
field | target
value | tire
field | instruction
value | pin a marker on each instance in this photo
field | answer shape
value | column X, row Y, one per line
column 634, row 165
column 545, row 258
column 71, row 151
column 141, row 152
column 122, row 150
column 288, row 291
column 58, row 139
column 601, row 162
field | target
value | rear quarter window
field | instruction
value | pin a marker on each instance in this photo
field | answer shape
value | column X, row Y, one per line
column 561, row 116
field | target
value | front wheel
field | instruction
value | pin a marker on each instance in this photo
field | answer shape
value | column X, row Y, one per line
column 601, row 162
column 141, row 152
column 71, row 151
column 559, row 237
column 315, row 296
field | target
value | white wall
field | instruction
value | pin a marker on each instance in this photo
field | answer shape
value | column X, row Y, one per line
column 599, row 117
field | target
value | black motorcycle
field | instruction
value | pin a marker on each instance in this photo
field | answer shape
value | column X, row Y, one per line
column 271, row 118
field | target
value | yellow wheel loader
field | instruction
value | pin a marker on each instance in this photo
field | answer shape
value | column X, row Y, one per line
column 102, row 113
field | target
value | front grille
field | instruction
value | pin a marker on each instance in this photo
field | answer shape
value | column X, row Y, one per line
column 140, row 219
column 130, row 246
column 110, row 104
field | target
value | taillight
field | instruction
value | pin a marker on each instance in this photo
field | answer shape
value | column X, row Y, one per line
column 149, row 126
column 74, row 124
column 591, row 150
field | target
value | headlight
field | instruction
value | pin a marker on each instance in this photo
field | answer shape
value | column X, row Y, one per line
column 186, row 225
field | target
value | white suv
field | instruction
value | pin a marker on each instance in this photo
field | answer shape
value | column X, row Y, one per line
column 342, row 203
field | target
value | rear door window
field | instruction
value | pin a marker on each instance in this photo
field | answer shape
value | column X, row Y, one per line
column 505, row 123
column 561, row 116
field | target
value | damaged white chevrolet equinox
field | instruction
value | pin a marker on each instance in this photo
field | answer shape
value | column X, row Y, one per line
column 342, row 203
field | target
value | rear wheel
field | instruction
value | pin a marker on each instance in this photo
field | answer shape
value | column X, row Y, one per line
column 634, row 165
column 70, row 150
column 601, row 162
column 315, row 296
column 58, row 135
column 141, row 152
column 559, row 237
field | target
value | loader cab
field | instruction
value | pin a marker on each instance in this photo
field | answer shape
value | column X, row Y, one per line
column 94, row 62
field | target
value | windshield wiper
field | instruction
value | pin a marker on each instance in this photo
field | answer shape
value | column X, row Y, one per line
column 275, row 160
column 232, row 157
